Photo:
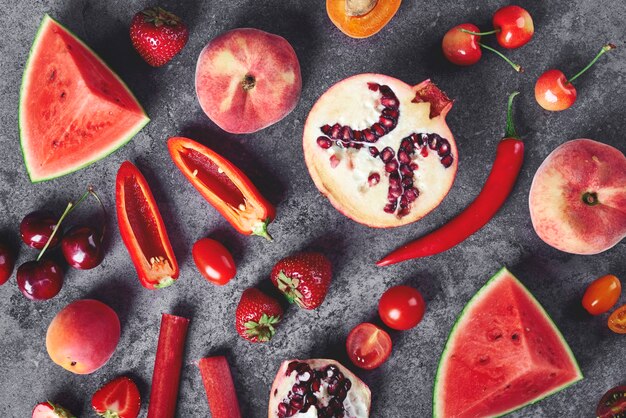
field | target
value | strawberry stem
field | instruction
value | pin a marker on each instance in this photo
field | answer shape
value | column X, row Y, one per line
column 515, row 66
column 605, row 48
column 491, row 32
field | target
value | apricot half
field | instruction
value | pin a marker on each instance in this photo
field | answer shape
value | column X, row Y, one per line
column 361, row 18
column 83, row 336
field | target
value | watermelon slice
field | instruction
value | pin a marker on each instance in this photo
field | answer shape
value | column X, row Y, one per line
column 503, row 353
column 74, row 110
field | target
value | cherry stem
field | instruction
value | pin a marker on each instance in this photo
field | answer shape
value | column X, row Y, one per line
column 103, row 209
column 510, row 127
column 515, row 66
column 605, row 48
column 491, row 32
column 70, row 207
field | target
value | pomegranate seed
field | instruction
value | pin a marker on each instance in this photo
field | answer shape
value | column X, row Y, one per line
column 347, row 384
column 390, row 208
column 387, row 154
column 326, row 129
column 433, row 141
column 394, row 192
column 358, row 135
column 411, row 194
column 373, row 179
column 424, row 152
column 334, row 161
column 355, row 145
column 391, row 166
column 444, row 147
column 335, row 133
column 282, row 408
column 324, row 142
column 406, row 170
column 316, row 385
column 369, row 135
column 372, row 86
column 447, row 161
column 407, row 145
column 404, row 202
column 403, row 157
column 391, row 113
column 417, row 140
column 387, row 123
column 373, row 151
column 291, row 367
column 407, row 182
column 297, row 403
column 347, row 133
column 333, row 386
column 385, row 90
column 378, row 130
column 390, row 102
column 331, row 371
column 403, row 212
column 414, row 166
column 299, row 389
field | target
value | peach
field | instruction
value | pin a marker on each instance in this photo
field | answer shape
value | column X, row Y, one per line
column 578, row 197
column 247, row 79
column 83, row 336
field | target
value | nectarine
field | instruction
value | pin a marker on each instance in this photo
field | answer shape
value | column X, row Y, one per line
column 578, row 197
column 83, row 336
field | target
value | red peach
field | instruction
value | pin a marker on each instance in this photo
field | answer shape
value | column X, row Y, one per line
column 578, row 197
column 83, row 336
column 247, row 79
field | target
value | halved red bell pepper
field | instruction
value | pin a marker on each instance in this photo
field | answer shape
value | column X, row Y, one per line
column 143, row 230
column 224, row 186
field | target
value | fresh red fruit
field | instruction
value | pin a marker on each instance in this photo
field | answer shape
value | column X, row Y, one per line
column 40, row 280
column 613, row 403
column 602, row 294
column 462, row 48
column 257, row 316
column 158, row 35
column 401, row 307
column 117, row 399
column 554, row 92
column 37, row 227
column 50, row 410
column 214, row 261
column 617, row 320
column 7, row 262
column 82, row 247
column 368, row 346
column 514, row 26
column 303, row 278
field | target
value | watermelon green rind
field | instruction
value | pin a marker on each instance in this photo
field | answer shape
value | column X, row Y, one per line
column 45, row 21
column 501, row 273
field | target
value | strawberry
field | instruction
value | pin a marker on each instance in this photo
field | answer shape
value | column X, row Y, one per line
column 257, row 316
column 50, row 410
column 304, row 278
column 158, row 35
column 117, row 399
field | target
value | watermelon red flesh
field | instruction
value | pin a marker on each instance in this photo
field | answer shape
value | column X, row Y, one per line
column 73, row 109
column 503, row 353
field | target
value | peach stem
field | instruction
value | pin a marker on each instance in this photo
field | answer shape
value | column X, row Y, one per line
column 590, row 198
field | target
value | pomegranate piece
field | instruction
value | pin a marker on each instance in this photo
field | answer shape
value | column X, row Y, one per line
column 318, row 387
column 391, row 133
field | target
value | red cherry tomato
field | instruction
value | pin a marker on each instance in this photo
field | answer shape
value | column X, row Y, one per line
column 617, row 320
column 613, row 403
column 401, row 307
column 515, row 26
column 214, row 261
column 368, row 346
column 553, row 91
column 462, row 48
column 602, row 294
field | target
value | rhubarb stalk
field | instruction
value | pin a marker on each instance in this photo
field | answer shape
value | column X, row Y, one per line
column 219, row 386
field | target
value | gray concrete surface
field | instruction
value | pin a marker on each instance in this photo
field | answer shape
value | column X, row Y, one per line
column 568, row 34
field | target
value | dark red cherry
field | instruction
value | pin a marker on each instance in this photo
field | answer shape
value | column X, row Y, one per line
column 7, row 262
column 82, row 247
column 36, row 228
column 40, row 280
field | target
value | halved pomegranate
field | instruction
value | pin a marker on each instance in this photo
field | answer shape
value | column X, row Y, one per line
column 380, row 150
column 318, row 388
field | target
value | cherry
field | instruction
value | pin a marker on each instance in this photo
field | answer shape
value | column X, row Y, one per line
column 461, row 46
column 82, row 247
column 553, row 91
column 37, row 227
column 40, row 280
column 513, row 26
column 7, row 262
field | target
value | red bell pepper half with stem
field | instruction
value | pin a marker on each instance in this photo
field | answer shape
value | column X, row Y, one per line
column 506, row 167
column 167, row 366
column 143, row 230
column 224, row 186
column 219, row 386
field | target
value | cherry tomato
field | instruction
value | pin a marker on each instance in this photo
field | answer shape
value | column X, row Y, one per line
column 368, row 346
column 613, row 403
column 617, row 320
column 401, row 307
column 515, row 26
column 214, row 261
column 462, row 48
column 602, row 294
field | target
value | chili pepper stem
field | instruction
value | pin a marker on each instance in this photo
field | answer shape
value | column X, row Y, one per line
column 510, row 126
column 490, row 32
column 605, row 48
column 260, row 229
column 515, row 66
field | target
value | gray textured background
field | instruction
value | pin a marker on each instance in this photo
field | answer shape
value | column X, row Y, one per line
column 568, row 33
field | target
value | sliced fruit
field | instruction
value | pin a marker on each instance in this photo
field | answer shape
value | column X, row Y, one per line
column 617, row 320
column 219, row 386
column 50, row 410
column 368, row 346
column 318, row 388
column 361, row 18
column 613, row 403
column 503, row 353
column 380, row 150
column 117, row 399
column 74, row 110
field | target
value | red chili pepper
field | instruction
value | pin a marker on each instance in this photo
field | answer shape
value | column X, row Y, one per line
column 167, row 366
column 142, row 229
column 506, row 167
column 224, row 186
